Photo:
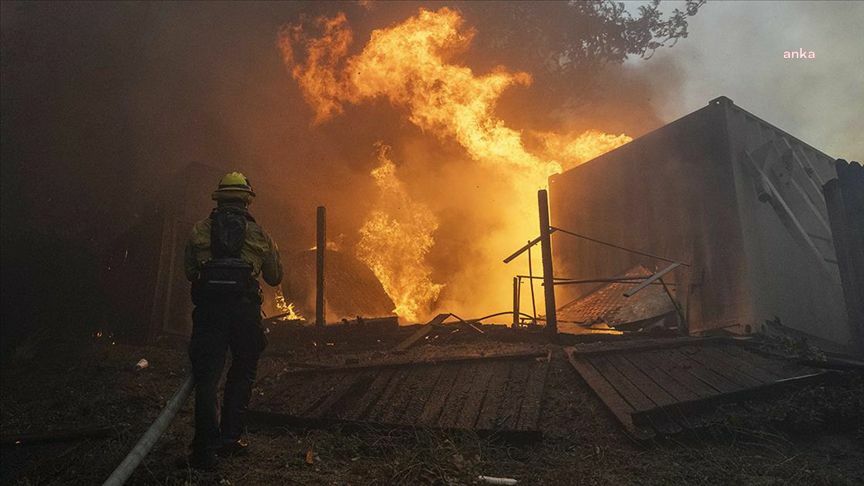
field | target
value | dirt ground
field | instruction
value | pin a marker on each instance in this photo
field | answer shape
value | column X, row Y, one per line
column 811, row 436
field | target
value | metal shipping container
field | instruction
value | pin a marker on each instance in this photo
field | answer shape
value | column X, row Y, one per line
column 736, row 198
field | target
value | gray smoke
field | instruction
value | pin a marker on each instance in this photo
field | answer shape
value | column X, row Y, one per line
column 736, row 49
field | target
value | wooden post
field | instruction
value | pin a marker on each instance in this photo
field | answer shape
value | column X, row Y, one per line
column 546, row 253
column 321, row 247
column 515, row 302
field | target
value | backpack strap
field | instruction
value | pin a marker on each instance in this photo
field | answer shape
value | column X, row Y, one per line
column 232, row 209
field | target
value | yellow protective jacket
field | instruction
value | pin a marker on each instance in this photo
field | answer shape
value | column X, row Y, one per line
column 259, row 250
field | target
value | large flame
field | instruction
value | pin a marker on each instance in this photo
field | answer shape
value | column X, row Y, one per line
column 394, row 242
column 409, row 64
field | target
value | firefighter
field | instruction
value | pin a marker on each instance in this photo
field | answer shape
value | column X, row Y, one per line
column 225, row 255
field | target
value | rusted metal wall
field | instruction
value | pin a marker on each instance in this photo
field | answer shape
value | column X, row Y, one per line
column 689, row 191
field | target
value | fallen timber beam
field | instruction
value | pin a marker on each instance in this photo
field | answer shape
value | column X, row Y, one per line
column 437, row 324
column 421, row 333
column 414, row 338
column 526, row 247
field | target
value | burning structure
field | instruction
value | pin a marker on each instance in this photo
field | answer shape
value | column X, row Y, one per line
column 412, row 65
column 737, row 198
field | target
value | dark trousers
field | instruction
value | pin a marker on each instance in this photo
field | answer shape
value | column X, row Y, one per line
column 233, row 324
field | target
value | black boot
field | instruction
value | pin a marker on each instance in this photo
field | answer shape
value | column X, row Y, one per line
column 235, row 448
column 204, row 460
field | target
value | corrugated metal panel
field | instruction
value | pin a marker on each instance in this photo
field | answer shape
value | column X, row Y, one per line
column 608, row 304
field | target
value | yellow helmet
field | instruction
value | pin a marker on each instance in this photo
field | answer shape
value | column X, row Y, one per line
column 234, row 186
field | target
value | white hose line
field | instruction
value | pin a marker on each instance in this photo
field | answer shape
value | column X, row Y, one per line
column 142, row 448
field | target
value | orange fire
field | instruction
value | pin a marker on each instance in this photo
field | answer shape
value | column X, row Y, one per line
column 394, row 242
column 574, row 149
column 410, row 65
column 285, row 307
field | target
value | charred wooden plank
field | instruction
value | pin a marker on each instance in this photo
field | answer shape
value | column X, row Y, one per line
column 368, row 400
column 495, row 390
column 707, row 375
column 678, row 369
column 642, row 381
column 421, row 362
column 257, row 420
column 610, row 397
column 743, row 367
column 720, row 366
column 342, row 394
column 624, row 386
column 433, row 407
column 415, row 380
column 777, row 366
column 702, row 405
column 385, row 401
column 474, row 399
column 308, row 394
column 678, row 390
column 417, row 400
column 644, row 345
column 458, row 395
column 635, row 386
column 529, row 413
column 508, row 412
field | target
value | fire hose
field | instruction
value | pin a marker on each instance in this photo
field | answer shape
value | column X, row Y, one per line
column 148, row 440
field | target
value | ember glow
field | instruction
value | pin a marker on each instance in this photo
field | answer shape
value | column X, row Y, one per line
column 411, row 66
